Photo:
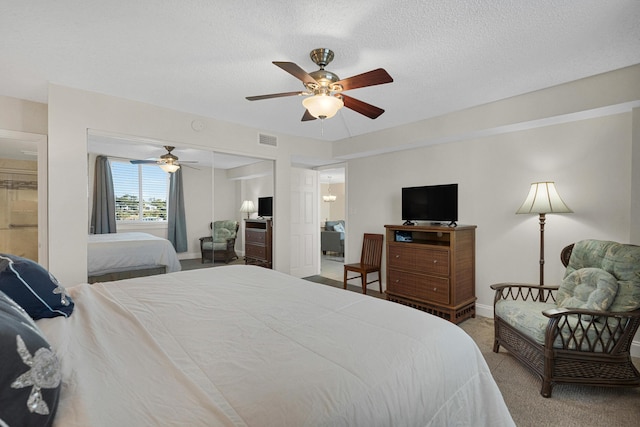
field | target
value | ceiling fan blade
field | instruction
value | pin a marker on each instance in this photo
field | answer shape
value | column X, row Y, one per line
column 361, row 107
column 307, row 116
column 143, row 162
column 274, row 95
column 371, row 78
column 296, row 71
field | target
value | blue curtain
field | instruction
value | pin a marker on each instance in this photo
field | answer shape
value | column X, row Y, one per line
column 103, row 216
column 177, row 227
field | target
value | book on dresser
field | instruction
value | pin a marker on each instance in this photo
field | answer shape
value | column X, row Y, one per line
column 432, row 268
column 258, row 242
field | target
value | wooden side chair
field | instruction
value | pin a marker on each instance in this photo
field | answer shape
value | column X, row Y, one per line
column 370, row 261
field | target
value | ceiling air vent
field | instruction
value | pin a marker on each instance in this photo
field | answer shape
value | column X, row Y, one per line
column 267, row 140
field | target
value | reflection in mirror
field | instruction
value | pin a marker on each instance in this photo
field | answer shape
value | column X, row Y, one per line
column 21, row 200
column 214, row 187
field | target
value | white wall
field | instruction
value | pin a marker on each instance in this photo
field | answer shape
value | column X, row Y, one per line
column 589, row 161
column 582, row 135
column 71, row 112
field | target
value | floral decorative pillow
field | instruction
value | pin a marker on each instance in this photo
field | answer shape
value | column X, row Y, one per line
column 29, row 370
column 587, row 288
column 33, row 288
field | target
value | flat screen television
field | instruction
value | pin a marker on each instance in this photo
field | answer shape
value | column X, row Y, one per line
column 435, row 203
column 265, row 206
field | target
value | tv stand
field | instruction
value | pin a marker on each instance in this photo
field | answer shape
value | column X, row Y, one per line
column 432, row 268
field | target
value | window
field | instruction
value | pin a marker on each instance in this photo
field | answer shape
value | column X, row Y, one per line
column 141, row 191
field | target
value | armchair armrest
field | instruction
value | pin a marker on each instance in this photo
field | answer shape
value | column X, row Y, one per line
column 524, row 292
column 591, row 331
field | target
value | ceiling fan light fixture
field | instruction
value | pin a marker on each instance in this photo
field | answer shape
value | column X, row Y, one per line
column 323, row 106
column 169, row 167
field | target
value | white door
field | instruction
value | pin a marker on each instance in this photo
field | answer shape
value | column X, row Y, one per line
column 304, row 223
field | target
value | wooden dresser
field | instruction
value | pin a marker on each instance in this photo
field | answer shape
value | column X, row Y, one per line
column 258, row 242
column 432, row 268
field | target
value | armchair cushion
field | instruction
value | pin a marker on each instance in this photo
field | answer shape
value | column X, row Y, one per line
column 587, row 288
column 620, row 260
column 525, row 316
column 223, row 231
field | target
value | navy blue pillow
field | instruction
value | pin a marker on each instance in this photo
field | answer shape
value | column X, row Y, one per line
column 30, row 378
column 33, row 288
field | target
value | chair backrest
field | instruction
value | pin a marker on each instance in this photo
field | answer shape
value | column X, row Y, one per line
column 223, row 230
column 371, row 249
column 620, row 260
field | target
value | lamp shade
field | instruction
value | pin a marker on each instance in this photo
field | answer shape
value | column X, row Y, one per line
column 247, row 207
column 543, row 198
column 169, row 167
column 323, row 106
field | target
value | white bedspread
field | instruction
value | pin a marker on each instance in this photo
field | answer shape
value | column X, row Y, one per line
column 114, row 252
column 247, row 346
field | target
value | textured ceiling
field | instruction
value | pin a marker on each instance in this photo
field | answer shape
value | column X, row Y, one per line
column 204, row 57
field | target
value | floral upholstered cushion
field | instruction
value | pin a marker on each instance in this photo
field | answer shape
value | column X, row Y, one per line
column 224, row 230
column 587, row 288
column 622, row 261
column 526, row 316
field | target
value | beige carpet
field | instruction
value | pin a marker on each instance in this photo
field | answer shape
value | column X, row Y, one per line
column 569, row 406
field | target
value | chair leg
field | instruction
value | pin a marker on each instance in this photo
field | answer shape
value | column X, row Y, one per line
column 364, row 283
column 379, row 282
column 344, row 281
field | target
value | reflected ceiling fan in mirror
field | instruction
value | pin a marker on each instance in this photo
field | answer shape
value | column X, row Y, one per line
column 168, row 162
column 324, row 89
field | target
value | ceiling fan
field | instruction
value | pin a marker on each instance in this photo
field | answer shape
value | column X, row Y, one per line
column 324, row 89
column 168, row 162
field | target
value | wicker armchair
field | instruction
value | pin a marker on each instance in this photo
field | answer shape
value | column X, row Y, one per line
column 220, row 246
column 587, row 346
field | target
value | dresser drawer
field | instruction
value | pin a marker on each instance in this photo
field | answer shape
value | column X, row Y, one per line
column 255, row 251
column 402, row 257
column 435, row 289
column 255, row 236
column 432, row 261
column 400, row 283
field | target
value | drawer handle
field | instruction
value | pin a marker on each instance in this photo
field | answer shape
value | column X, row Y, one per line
column 435, row 261
column 435, row 289
column 397, row 256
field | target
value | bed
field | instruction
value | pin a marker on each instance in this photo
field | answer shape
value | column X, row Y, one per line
column 115, row 256
column 247, row 346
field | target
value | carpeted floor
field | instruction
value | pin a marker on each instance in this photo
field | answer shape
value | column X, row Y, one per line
column 570, row 405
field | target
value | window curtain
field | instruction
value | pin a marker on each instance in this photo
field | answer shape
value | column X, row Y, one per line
column 103, row 216
column 177, row 224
